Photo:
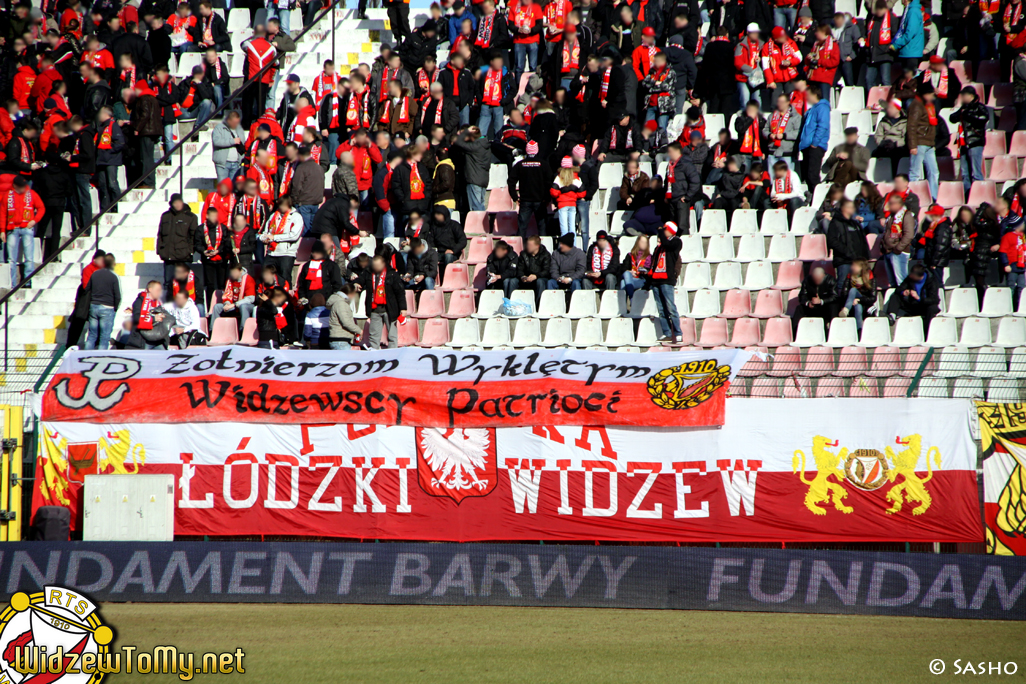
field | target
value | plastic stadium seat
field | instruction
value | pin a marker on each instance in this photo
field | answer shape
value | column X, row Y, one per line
column 803, row 220
column 755, row 365
column 436, row 333
column 643, row 304
column 461, row 304
column 916, row 361
column 886, row 362
column 975, row 332
column 765, row 388
column 720, row 248
column 589, row 333
column 466, row 332
column 408, row 333
column 610, row 175
column 768, row 304
column 557, row 333
column 811, row 332
column 1017, row 362
column 728, row 276
column 933, row 388
column 498, row 176
column 499, row 200
column 896, row 387
column 851, row 99
column 997, row 302
column 951, row 194
column 620, row 332
column 921, row 189
column 527, row 333
column 982, row 191
column 842, row 333
column 457, row 277
column 819, row 362
column 774, row 222
column 553, row 303
column 1003, row 389
column 515, row 242
column 744, row 222
column 506, row 223
column 745, row 334
column 690, row 249
column 480, row 279
column 995, row 144
column 786, row 361
column 1004, row 168
column 862, row 120
column 697, row 275
column 714, row 333
column 781, row 249
column 908, row 332
column 964, row 302
column 813, row 248
column 738, row 304
column 225, row 331
column 777, row 333
column 875, row 94
column 1011, row 333
column 967, row 388
column 751, row 248
column 491, row 302
column 759, row 276
column 852, row 362
column 496, row 332
column 714, row 222
column 680, row 299
column 688, row 331
column 238, row 20
column 990, row 362
column 477, row 223
column 796, row 388
column 989, row 72
column 1018, row 146
column 583, row 303
column 864, row 388
column 478, row 250
column 614, row 303
column 953, row 361
column 249, row 336
column 705, row 305
column 943, row 332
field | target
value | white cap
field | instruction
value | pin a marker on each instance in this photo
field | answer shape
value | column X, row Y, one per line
column 754, row 28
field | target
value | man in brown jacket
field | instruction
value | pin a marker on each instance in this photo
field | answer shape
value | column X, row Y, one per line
column 148, row 125
column 922, row 135
column 307, row 188
column 634, row 182
column 899, row 228
column 848, row 161
column 397, row 113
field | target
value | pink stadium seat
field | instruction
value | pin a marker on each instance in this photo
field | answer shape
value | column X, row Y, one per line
column 737, row 304
column 921, row 189
column 989, row 72
column 477, row 223
column 457, row 277
column 978, row 87
column 515, row 242
column 914, row 359
column 864, row 388
column 789, row 276
column 982, row 191
column 478, row 250
column 791, row 304
column 1001, row 95
column 1007, row 120
column 409, row 333
column 499, row 200
column 436, row 333
column 876, row 93
column 765, row 388
column 778, row 332
column 886, row 362
column 1005, row 167
column 797, row 388
column 249, row 332
column 995, row 144
column 524, row 78
column 411, row 302
column 714, row 332
column 746, row 333
column 505, row 223
column 226, row 331
column 755, row 365
column 205, row 327
column 738, row 387
column 432, row 303
column 688, row 331
column 852, row 362
column 946, row 167
column 461, row 304
column 951, row 194
column 786, row 361
column 813, row 248
column 1018, row 146
column 896, row 387
column 819, row 362
column 884, row 188
column 829, row 387
column 880, row 275
column 768, row 303
column 963, row 70
column 875, row 246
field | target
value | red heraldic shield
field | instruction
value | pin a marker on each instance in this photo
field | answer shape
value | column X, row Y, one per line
column 456, row 462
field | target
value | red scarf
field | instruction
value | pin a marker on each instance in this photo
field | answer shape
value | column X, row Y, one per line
column 145, row 317
column 286, row 178
column 670, row 177
column 438, row 112
column 277, row 226
column 604, row 91
column 416, row 184
column 424, row 79
column 942, row 83
column 323, row 85
column 104, row 137
column 217, row 69
column 897, row 221
column 385, row 78
column 404, row 111
column 313, row 274
column 493, row 88
column 778, row 124
column 1012, row 16
column 355, row 111
column 190, row 286
column 931, row 112
column 234, row 290
column 129, row 80
column 885, row 27
column 571, row 56
column 216, row 244
column 600, row 259
column 782, row 186
column 660, row 272
column 555, row 13
column 484, row 31
column 752, row 143
column 775, row 56
column 378, row 280
column 659, row 75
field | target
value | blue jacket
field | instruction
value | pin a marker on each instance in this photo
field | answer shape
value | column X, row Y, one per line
column 455, row 23
column 816, row 127
column 910, row 40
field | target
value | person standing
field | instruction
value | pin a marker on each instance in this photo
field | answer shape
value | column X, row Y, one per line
column 148, row 124
column 307, row 188
column 20, row 210
column 110, row 142
column 896, row 241
column 281, row 234
column 385, row 302
column 972, row 118
column 683, row 186
column 105, row 298
column 529, row 183
column 910, row 39
column 176, row 237
column 227, row 140
column 921, row 132
column 815, row 138
column 477, row 156
column 55, row 184
column 663, row 277
column 399, row 19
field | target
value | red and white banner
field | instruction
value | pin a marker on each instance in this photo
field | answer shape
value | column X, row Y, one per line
column 419, row 387
column 779, row 470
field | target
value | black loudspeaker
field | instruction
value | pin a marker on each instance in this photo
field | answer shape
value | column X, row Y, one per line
column 51, row 523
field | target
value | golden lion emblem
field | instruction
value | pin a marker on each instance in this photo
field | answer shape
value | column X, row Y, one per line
column 912, row 488
column 821, row 489
column 687, row 385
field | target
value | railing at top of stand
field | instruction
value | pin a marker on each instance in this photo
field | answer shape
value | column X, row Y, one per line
column 229, row 101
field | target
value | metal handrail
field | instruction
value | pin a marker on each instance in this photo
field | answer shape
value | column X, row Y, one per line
column 179, row 148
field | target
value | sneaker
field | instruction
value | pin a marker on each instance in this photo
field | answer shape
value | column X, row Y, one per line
column 666, row 338
column 632, row 231
column 843, row 313
column 892, row 318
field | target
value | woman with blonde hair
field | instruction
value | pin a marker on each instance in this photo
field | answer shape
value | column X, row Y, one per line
column 635, row 265
column 566, row 190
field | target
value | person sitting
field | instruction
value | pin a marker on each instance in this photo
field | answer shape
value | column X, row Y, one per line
column 343, row 332
column 567, row 265
column 533, row 267
column 728, row 188
column 755, row 189
column 933, row 245
column 861, row 293
column 635, row 267
column 917, row 295
column 320, row 274
column 238, row 299
column 501, row 269
column 421, row 266
column 786, row 192
column 816, row 298
column 449, row 237
column 649, row 209
column 602, row 264
column 848, row 161
column 869, row 207
column 186, row 325
column 846, row 239
column 150, row 327
column 828, row 209
column 417, row 227
column 635, row 181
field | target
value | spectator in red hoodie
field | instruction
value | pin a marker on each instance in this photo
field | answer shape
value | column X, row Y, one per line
column 24, row 82
column 365, row 157
column 20, row 210
column 43, row 85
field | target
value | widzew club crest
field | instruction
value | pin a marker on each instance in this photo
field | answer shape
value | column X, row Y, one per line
column 456, row 462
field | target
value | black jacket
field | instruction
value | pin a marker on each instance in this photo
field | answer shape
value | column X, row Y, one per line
column 97, row 96
column 414, row 49
column 333, row 218
column 537, row 265
column 589, row 178
column 401, row 187
column 176, row 235
column 450, row 116
column 506, row 267
column 686, row 181
column 672, row 249
column 826, row 291
column 614, row 263
column 426, row 264
column 218, row 31
column 54, row 183
column 137, row 46
column 86, row 157
column 447, row 235
column 929, row 298
column 973, row 117
column 466, row 86
column 988, row 233
column 331, row 280
column 160, row 46
column 847, row 239
column 530, row 180
column 938, row 246
column 395, row 292
column 200, row 242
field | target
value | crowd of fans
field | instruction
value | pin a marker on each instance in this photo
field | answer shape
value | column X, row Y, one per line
column 552, row 91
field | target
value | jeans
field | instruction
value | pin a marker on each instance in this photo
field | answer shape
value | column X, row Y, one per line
column 20, row 245
column 878, row 74
column 897, row 268
column 283, row 15
column 476, row 197
column 745, row 94
column 101, row 322
column 199, row 111
column 524, row 52
column 842, row 274
column 388, row 224
column 854, row 305
column 340, row 346
column 307, row 211
column 630, row 282
column 333, row 143
column 568, row 221
column 574, row 285
column 490, row 120
column 584, row 220
column 773, row 159
column 785, row 17
column 465, row 116
column 426, row 284
column 652, row 114
column 107, row 185
column 83, row 199
column 971, row 166
column 926, row 157
column 507, row 285
column 227, row 171
column 669, row 320
column 169, row 138
column 245, row 309
column 1017, row 282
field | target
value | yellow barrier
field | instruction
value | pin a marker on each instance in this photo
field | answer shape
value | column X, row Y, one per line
column 12, row 424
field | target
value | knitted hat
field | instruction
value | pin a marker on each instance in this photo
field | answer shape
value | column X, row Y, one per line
column 567, row 163
column 578, row 151
column 567, row 239
column 778, row 32
column 670, row 227
column 532, row 148
column 49, row 103
column 652, row 125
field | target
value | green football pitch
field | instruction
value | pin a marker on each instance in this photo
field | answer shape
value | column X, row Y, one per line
column 296, row 644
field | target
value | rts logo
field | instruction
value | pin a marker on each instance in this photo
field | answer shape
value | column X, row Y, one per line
column 52, row 636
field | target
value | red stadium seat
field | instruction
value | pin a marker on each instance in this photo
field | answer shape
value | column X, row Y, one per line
column 436, row 333
column 829, row 387
column 409, row 333
column 768, row 303
column 432, row 303
column 755, row 365
column 873, row 97
column 714, row 333
column 819, row 362
column 765, row 388
column 875, row 246
column 515, row 242
column 797, row 388
column 786, row 361
column 789, row 276
column 864, row 388
column 1005, row 167
column 746, row 333
column 896, row 387
column 995, row 144
column 477, row 223
column 778, row 333
column 411, row 302
column 886, row 362
column 982, row 191
column 505, row 223
column 737, row 304
column 813, row 248
column 1018, row 146
column 225, row 331
column 852, row 362
column 478, row 250
column 963, row 70
column 921, row 189
column 499, row 200
column 249, row 332
column 480, row 278
column 688, row 331
column 914, row 359
column 989, row 72
column 951, row 194
column 461, row 304
column 1001, row 95
column 978, row 87
column 457, row 277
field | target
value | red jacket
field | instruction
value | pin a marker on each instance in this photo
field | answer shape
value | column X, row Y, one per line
column 41, row 88
column 364, row 161
column 259, row 53
column 828, row 59
column 642, row 59
column 24, row 82
column 6, row 131
column 17, row 209
column 46, row 137
column 746, row 54
column 568, row 195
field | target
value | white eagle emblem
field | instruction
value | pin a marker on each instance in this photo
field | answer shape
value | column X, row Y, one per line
column 455, row 456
